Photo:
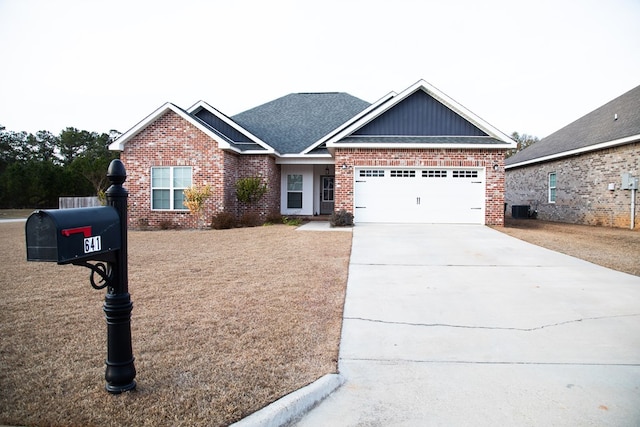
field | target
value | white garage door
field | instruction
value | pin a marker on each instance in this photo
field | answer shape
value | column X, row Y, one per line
column 442, row 195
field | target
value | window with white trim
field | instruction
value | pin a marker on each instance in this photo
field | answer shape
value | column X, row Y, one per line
column 167, row 187
column 294, row 191
column 552, row 187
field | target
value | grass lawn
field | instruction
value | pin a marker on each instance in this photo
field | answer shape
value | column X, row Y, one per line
column 15, row 213
column 224, row 322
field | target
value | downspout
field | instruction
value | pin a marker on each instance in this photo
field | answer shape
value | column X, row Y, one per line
column 633, row 208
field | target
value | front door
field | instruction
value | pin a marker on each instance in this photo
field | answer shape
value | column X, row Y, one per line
column 326, row 194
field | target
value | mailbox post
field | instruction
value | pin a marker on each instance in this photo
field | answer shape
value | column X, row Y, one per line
column 98, row 234
column 120, row 371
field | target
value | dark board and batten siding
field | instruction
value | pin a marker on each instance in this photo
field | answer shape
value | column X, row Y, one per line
column 420, row 115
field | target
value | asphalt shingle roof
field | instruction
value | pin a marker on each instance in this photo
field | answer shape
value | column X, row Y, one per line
column 596, row 127
column 292, row 123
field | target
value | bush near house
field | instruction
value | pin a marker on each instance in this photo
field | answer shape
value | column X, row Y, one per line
column 223, row 221
column 341, row 218
column 250, row 219
column 251, row 189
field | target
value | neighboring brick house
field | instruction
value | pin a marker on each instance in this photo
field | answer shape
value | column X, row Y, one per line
column 574, row 174
column 417, row 156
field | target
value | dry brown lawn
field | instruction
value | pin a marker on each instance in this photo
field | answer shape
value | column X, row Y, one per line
column 615, row 248
column 224, row 322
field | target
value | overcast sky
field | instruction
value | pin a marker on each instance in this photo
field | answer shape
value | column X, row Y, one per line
column 526, row 66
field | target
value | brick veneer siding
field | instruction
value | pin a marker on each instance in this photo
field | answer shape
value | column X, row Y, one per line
column 173, row 141
column 358, row 157
column 582, row 194
column 264, row 167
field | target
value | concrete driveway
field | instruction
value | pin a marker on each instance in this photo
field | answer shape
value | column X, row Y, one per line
column 462, row 325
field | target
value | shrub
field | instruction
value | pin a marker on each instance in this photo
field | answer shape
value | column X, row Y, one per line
column 194, row 199
column 250, row 219
column 274, row 218
column 341, row 218
column 250, row 189
column 291, row 221
column 223, row 221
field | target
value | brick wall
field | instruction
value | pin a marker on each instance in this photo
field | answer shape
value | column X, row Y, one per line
column 264, row 167
column 173, row 141
column 582, row 194
column 357, row 157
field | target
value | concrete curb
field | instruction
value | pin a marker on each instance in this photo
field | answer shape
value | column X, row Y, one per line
column 293, row 405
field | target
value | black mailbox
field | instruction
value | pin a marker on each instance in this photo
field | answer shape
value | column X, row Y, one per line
column 66, row 236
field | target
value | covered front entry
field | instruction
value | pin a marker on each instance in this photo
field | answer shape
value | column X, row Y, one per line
column 417, row 195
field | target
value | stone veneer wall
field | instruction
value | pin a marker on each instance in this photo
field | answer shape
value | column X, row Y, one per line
column 582, row 194
column 359, row 157
column 173, row 141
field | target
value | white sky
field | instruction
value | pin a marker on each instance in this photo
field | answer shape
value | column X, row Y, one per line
column 526, row 66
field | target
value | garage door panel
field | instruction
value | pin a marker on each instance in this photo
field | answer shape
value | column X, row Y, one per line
column 420, row 196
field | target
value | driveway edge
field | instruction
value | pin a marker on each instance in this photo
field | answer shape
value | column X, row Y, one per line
column 295, row 404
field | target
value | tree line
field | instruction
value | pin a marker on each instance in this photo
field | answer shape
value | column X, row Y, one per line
column 37, row 169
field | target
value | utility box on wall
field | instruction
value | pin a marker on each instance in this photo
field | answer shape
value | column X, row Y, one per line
column 629, row 182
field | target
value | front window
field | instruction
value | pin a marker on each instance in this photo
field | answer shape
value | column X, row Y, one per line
column 294, row 191
column 552, row 187
column 167, row 187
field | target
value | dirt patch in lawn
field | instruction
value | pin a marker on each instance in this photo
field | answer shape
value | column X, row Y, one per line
column 224, row 323
column 615, row 248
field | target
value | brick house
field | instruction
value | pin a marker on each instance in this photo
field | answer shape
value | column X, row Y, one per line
column 415, row 156
column 574, row 174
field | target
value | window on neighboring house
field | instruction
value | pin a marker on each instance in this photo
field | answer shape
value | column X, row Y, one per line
column 552, row 187
column 294, row 191
column 167, row 187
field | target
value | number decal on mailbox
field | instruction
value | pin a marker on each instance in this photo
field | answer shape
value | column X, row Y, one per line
column 92, row 244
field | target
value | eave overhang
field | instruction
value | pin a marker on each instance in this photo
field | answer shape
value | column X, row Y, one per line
column 577, row 151
column 307, row 159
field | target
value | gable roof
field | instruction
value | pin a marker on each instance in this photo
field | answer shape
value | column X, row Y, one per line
column 224, row 141
column 294, row 122
column 615, row 123
column 439, row 122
